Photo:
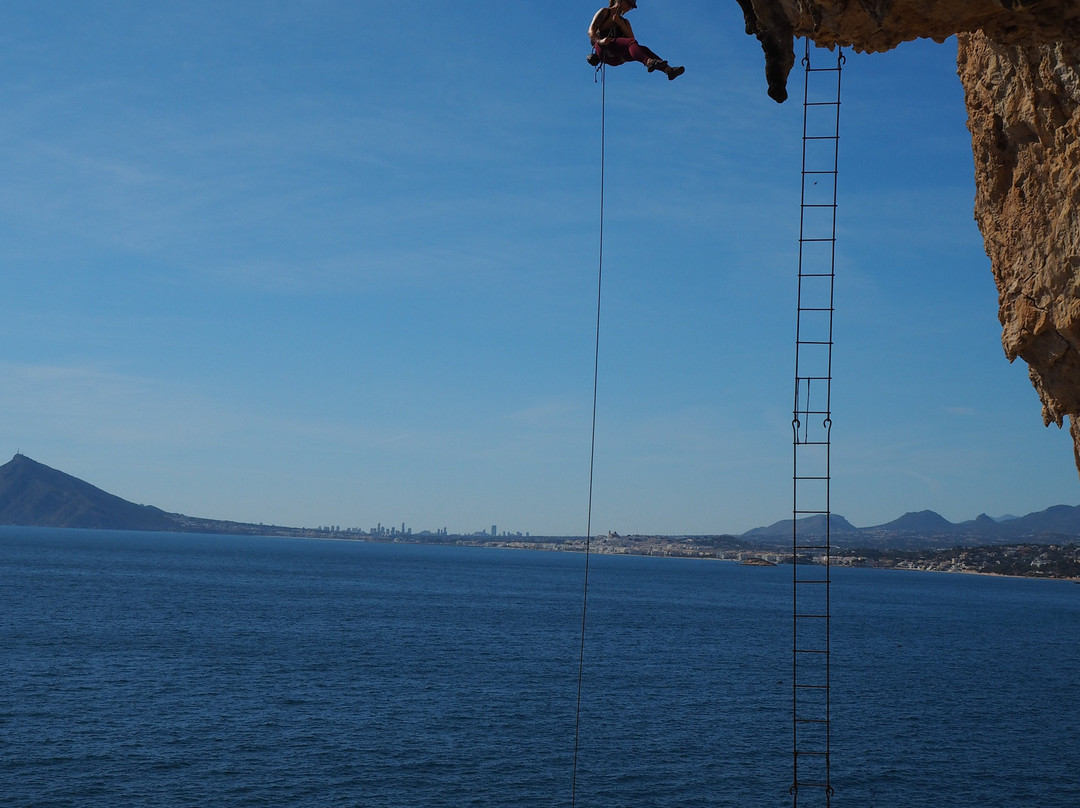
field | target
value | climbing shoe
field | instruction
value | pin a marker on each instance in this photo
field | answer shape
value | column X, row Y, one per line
column 675, row 72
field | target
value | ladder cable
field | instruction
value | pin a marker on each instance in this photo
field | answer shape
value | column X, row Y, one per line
column 601, row 73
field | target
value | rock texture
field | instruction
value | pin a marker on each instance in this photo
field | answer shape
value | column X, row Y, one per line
column 1024, row 115
column 880, row 25
column 1019, row 61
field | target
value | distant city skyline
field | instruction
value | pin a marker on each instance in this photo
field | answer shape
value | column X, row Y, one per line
column 380, row 530
column 924, row 516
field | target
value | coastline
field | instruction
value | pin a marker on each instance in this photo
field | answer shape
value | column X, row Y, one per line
column 1053, row 562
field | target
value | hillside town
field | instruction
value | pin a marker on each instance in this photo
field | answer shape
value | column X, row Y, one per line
column 1027, row 560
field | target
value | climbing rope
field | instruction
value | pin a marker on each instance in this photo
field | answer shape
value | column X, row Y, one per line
column 601, row 73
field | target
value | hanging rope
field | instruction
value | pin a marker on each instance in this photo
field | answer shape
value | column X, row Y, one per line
column 602, row 74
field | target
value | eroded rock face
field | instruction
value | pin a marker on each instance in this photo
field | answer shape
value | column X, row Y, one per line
column 1024, row 115
column 880, row 25
column 1019, row 61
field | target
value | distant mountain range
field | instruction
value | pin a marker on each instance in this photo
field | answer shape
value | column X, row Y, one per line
column 35, row 495
column 927, row 529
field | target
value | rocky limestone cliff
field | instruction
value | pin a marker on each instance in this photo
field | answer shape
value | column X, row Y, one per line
column 1023, row 104
column 1019, row 62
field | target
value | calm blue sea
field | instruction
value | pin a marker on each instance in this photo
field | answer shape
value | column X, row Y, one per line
column 167, row 670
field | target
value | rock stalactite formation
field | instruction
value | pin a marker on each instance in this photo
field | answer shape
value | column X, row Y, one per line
column 1019, row 62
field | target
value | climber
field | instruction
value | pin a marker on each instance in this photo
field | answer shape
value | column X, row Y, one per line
column 614, row 44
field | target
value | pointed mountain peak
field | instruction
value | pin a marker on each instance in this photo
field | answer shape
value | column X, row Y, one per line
column 35, row 495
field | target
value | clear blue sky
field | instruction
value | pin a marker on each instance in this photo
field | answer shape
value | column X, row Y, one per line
column 335, row 263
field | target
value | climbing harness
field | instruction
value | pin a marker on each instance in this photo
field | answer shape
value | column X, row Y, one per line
column 601, row 73
column 598, row 76
column 811, row 426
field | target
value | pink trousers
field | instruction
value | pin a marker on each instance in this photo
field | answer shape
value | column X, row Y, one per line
column 624, row 49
